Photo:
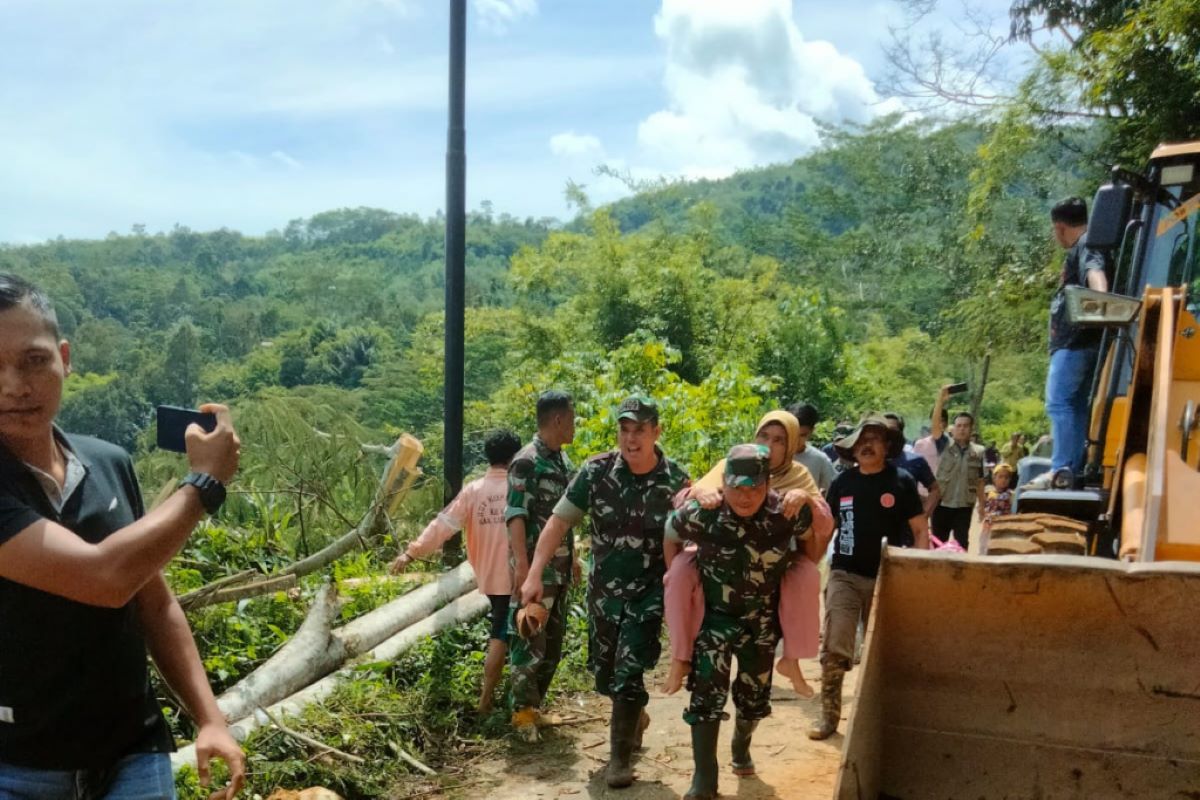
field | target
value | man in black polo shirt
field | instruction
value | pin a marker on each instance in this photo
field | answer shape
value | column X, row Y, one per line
column 82, row 595
column 871, row 502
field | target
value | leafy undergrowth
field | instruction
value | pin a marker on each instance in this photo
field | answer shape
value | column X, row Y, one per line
column 424, row 704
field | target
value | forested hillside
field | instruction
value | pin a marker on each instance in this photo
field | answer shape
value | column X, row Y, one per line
column 858, row 277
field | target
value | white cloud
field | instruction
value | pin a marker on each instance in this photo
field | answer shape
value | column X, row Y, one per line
column 744, row 87
column 497, row 15
column 285, row 159
column 570, row 144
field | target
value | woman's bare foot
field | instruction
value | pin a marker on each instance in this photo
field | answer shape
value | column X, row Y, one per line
column 790, row 669
column 679, row 671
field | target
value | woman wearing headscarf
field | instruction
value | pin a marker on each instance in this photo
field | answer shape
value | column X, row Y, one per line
column 799, row 614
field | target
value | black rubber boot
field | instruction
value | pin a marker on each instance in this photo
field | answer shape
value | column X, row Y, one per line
column 743, row 730
column 831, row 701
column 622, row 735
column 704, row 754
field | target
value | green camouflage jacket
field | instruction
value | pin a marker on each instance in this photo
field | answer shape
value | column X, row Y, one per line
column 741, row 561
column 537, row 478
column 628, row 515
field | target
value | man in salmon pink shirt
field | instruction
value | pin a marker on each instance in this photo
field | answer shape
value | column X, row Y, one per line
column 479, row 511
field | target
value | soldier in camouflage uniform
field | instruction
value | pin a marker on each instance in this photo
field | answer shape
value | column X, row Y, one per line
column 537, row 478
column 629, row 494
column 745, row 546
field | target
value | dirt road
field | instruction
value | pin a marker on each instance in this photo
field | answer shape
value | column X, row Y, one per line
column 569, row 761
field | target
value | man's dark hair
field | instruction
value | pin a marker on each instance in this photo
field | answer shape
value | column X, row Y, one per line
column 894, row 416
column 551, row 402
column 1072, row 211
column 16, row 291
column 500, row 446
column 805, row 413
column 966, row 414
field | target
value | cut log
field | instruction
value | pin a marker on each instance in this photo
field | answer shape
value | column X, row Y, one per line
column 317, row 649
column 362, row 634
column 461, row 610
column 313, row 652
column 397, row 480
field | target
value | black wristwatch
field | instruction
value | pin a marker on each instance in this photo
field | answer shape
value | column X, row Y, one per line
column 212, row 491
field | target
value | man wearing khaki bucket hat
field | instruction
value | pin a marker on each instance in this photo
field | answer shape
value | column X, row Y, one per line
column 872, row 502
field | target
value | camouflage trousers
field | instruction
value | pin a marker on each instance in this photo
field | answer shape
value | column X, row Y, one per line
column 623, row 643
column 533, row 661
column 751, row 639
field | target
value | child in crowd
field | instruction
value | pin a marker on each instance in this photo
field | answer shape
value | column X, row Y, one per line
column 801, row 587
column 999, row 494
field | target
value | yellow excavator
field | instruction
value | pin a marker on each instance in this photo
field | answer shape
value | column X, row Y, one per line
column 1068, row 676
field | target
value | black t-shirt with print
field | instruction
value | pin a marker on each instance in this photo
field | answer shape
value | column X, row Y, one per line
column 868, row 509
column 74, row 685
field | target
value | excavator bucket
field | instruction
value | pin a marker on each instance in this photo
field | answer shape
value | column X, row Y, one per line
column 1027, row 677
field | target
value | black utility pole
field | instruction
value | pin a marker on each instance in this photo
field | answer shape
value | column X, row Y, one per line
column 456, row 222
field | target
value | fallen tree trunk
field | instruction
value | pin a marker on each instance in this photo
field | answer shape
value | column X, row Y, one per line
column 398, row 478
column 458, row 611
column 313, row 651
column 364, row 633
column 318, row 649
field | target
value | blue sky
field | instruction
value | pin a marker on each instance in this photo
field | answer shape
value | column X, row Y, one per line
column 249, row 113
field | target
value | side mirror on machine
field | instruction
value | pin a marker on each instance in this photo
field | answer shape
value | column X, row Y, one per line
column 1091, row 309
column 1110, row 215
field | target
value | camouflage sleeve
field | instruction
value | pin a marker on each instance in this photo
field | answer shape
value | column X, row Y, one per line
column 520, row 472
column 576, row 501
column 684, row 523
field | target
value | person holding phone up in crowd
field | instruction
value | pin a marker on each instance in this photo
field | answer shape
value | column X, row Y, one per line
column 82, row 596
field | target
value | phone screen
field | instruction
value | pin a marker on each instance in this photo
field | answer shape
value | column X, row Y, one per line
column 173, row 423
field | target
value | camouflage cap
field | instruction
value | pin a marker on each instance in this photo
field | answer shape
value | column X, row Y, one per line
column 747, row 465
column 638, row 408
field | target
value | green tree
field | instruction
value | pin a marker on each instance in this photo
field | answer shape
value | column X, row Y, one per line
column 1134, row 62
column 109, row 407
column 175, row 379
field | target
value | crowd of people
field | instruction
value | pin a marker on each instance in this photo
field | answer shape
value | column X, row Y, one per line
column 729, row 562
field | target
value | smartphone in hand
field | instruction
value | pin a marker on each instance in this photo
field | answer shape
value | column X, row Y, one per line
column 956, row 388
column 173, row 423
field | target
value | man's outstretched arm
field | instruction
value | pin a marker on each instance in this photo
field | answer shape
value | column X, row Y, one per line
column 48, row 556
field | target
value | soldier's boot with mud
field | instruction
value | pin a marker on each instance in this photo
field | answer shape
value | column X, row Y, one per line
column 704, row 754
column 831, row 701
column 640, row 731
column 623, row 733
column 743, row 731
